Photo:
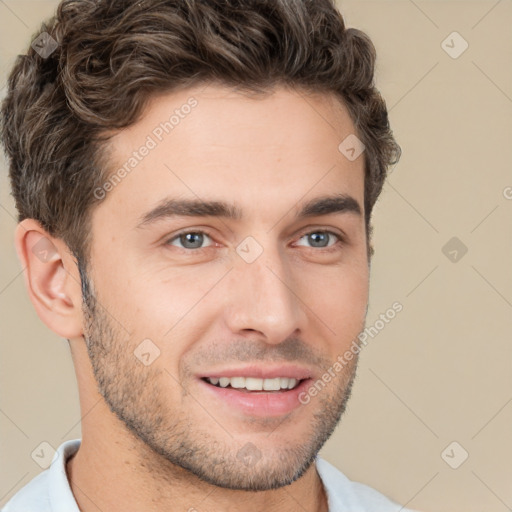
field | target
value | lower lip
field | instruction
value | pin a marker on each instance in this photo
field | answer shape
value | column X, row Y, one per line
column 259, row 403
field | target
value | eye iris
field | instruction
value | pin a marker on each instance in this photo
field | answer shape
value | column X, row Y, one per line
column 186, row 238
column 314, row 238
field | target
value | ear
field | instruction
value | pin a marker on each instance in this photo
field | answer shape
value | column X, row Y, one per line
column 51, row 277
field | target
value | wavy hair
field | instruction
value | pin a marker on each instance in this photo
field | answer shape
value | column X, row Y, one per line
column 113, row 55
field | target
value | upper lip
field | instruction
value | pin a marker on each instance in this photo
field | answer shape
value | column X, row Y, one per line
column 262, row 372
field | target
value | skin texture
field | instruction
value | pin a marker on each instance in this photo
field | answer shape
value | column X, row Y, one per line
column 151, row 431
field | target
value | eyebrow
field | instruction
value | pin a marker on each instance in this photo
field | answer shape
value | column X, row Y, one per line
column 172, row 207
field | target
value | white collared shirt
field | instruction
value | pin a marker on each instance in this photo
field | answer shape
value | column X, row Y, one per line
column 50, row 490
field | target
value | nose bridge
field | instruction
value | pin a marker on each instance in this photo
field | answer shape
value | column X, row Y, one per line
column 262, row 293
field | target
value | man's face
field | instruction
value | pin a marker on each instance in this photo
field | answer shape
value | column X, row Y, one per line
column 270, row 294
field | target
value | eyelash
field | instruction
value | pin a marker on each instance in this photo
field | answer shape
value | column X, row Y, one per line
column 341, row 239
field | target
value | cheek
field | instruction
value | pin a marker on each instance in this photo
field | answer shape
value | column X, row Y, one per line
column 147, row 298
column 338, row 299
column 165, row 307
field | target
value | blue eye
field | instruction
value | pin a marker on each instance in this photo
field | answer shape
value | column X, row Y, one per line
column 320, row 238
column 194, row 238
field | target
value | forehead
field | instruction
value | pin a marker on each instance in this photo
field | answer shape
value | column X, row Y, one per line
column 214, row 143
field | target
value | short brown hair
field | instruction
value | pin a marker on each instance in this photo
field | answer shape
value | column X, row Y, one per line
column 113, row 55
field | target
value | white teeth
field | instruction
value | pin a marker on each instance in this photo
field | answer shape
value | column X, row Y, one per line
column 237, row 382
column 291, row 383
column 272, row 384
column 254, row 384
column 224, row 381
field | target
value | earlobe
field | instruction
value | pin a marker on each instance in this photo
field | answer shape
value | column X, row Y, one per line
column 51, row 278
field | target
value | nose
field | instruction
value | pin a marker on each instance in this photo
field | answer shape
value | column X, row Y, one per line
column 262, row 296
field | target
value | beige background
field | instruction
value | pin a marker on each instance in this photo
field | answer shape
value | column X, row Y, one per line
column 441, row 371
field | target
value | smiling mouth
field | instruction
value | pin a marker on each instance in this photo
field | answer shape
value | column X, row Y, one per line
column 253, row 384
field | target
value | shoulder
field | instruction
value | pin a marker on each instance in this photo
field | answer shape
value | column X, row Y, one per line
column 49, row 491
column 344, row 494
